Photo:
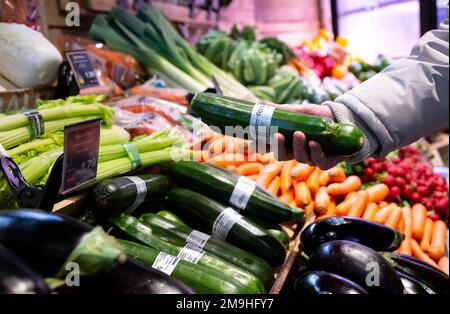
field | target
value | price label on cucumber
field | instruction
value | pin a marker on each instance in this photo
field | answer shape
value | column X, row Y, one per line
column 82, row 69
column 81, row 147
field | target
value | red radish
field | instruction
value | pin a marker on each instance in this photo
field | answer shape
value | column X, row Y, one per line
column 434, row 217
column 389, row 180
column 377, row 168
column 416, row 197
column 396, row 160
column 400, row 181
column 394, row 192
column 423, row 190
column 408, row 191
column 369, row 172
column 442, row 204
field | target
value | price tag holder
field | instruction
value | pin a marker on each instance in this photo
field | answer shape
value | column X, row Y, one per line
column 81, row 147
column 82, row 69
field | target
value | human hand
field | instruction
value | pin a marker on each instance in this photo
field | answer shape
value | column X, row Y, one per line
column 316, row 157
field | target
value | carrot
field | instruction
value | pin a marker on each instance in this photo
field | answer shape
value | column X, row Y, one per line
column 336, row 175
column 268, row 173
column 401, row 225
column 438, row 240
column 224, row 160
column 384, row 213
column 370, row 212
column 232, row 168
column 301, row 172
column 218, row 146
column 253, row 177
column 331, row 210
column 324, row 178
column 378, row 192
column 443, row 264
column 313, row 181
column 383, row 204
column 293, row 204
column 394, row 218
column 309, row 210
column 419, row 216
column 321, row 201
column 417, row 252
column 359, row 205
column 285, row 177
column 344, row 207
column 287, row 197
column 274, row 186
column 350, row 195
column 249, row 168
column 267, row 158
column 352, row 183
column 428, row 232
column 205, row 156
column 302, row 194
column 406, row 246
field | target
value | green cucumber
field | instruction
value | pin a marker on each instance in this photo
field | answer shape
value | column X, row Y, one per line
column 335, row 138
column 119, row 194
column 146, row 235
column 209, row 180
column 225, row 251
column 172, row 217
column 202, row 212
column 200, row 278
column 280, row 235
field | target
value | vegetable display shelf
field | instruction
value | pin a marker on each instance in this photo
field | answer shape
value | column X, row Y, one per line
column 24, row 98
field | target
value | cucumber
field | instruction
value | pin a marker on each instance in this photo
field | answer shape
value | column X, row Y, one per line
column 146, row 235
column 119, row 194
column 225, row 251
column 280, row 235
column 202, row 212
column 335, row 138
column 172, row 217
column 200, row 278
column 208, row 180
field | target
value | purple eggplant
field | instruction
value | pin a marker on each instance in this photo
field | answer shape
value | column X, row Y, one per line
column 357, row 263
column 414, row 285
column 371, row 234
column 16, row 277
column 322, row 282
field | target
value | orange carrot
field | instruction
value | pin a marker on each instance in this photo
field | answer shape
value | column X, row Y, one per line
column 313, row 181
column 350, row 195
column 383, row 204
column 406, row 246
column 378, row 192
column 285, row 177
column 249, row 168
column 384, row 213
column 331, row 210
column 302, row 194
column 401, row 225
column 321, row 201
column 344, row 207
column 336, row 175
column 352, row 183
column 218, row 146
column 309, row 210
column 267, row 158
column 205, row 156
column 274, row 186
column 268, row 173
column 394, row 218
column 419, row 216
column 438, row 240
column 293, row 204
column 232, row 168
column 224, row 160
column 253, row 177
column 427, row 234
column 417, row 252
column 287, row 197
column 324, row 178
column 359, row 205
column 443, row 264
column 370, row 212
column 301, row 172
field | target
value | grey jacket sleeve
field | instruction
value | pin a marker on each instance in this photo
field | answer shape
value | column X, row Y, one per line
column 406, row 101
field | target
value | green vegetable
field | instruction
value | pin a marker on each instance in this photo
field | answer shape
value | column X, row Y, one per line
column 201, row 212
column 335, row 138
column 230, row 253
column 208, row 180
column 280, row 235
column 138, row 231
column 172, row 217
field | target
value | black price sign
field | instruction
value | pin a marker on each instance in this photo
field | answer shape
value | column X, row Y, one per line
column 81, row 146
column 82, row 69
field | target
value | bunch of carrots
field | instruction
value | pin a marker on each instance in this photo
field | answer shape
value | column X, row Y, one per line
column 326, row 193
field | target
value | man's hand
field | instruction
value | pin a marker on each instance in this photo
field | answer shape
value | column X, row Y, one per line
column 300, row 153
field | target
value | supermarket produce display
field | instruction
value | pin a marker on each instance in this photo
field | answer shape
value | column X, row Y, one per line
column 177, row 207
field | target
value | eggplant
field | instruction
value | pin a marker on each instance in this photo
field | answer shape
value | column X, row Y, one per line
column 322, row 282
column 413, row 285
column 16, row 277
column 432, row 277
column 357, row 263
column 374, row 235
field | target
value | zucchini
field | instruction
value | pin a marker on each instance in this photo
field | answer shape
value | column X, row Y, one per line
column 208, row 180
column 202, row 212
column 225, row 251
column 146, row 235
column 200, row 278
column 335, row 138
column 172, row 217
column 280, row 235
column 124, row 193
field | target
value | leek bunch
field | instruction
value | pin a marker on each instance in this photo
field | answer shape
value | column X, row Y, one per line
column 152, row 40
